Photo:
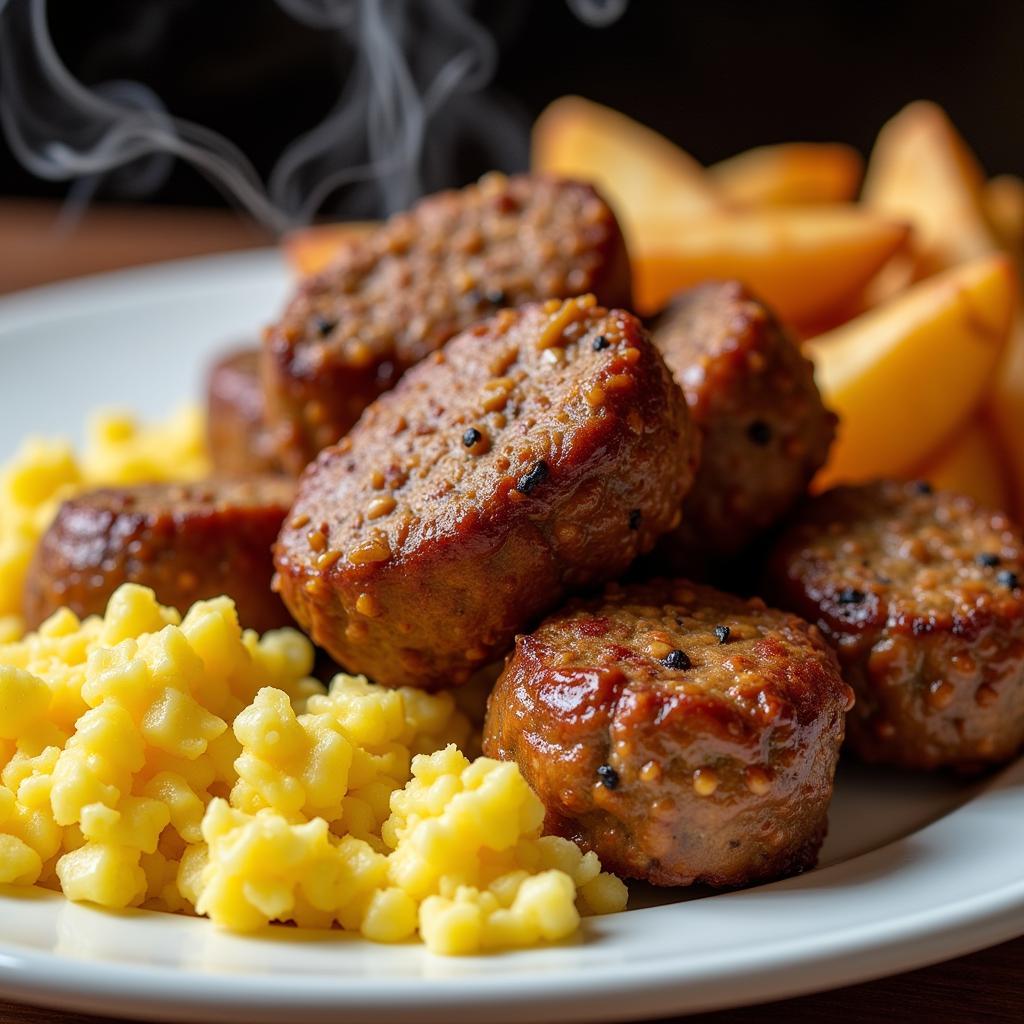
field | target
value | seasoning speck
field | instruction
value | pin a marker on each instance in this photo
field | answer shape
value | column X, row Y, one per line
column 634, row 519
column 471, row 437
column 922, row 487
column 1008, row 579
column 677, row 660
column 722, row 634
column 600, row 342
column 497, row 297
column 987, row 560
column 608, row 776
column 528, row 481
column 850, row 595
column 323, row 325
column 759, row 432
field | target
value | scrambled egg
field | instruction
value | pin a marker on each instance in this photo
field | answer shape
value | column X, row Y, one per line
column 185, row 765
column 43, row 473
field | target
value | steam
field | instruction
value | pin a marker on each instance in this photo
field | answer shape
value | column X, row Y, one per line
column 417, row 89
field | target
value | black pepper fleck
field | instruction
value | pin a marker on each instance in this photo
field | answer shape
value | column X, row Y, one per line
column 608, row 776
column 528, row 481
column 601, row 342
column 1008, row 579
column 471, row 437
column 497, row 297
column 922, row 487
column 987, row 560
column 722, row 634
column 323, row 325
column 677, row 659
column 759, row 432
column 634, row 519
column 850, row 595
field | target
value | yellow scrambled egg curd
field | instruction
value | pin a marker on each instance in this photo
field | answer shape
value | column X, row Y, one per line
column 187, row 765
column 118, row 450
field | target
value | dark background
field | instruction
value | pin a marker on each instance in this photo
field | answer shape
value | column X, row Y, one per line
column 715, row 77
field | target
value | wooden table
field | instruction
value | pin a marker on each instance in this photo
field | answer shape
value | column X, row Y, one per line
column 985, row 988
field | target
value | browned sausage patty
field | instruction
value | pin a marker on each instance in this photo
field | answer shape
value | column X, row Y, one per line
column 538, row 452
column 765, row 430
column 185, row 541
column 683, row 734
column 400, row 293
column 239, row 441
column 920, row 593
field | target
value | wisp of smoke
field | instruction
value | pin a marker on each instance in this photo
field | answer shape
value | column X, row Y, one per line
column 417, row 88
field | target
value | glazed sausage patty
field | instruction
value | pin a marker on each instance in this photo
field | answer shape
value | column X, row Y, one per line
column 683, row 734
column 538, row 452
column 920, row 593
column 185, row 541
column 400, row 293
column 239, row 441
column 765, row 430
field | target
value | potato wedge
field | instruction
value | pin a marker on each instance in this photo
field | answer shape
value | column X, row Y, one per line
column 309, row 250
column 1003, row 198
column 904, row 376
column 922, row 171
column 790, row 174
column 805, row 262
column 643, row 175
column 970, row 464
column 1007, row 410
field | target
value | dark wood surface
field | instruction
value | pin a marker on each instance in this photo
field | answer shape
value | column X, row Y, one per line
column 984, row 988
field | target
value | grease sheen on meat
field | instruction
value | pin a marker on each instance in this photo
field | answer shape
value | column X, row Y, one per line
column 239, row 440
column 920, row 593
column 764, row 428
column 683, row 734
column 537, row 453
column 401, row 292
column 187, row 542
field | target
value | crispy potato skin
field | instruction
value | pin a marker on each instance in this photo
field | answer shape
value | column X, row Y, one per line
column 187, row 542
column 723, row 770
column 584, row 453
column 929, row 634
column 399, row 293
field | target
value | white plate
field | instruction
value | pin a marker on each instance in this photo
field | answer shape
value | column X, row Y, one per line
column 915, row 870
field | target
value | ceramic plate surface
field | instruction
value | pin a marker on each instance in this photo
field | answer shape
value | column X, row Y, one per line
column 915, row 870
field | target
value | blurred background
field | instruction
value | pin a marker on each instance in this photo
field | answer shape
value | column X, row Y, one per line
column 292, row 110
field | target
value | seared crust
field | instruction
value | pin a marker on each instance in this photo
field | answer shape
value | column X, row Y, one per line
column 752, row 396
column 920, row 594
column 718, row 770
column 401, row 292
column 240, row 442
column 538, row 452
column 185, row 541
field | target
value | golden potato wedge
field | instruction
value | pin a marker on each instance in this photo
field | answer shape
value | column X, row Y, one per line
column 971, row 464
column 923, row 172
column 1003, row 198
column 1007, row 410
column 643, row 175
column 904, row 376
column 805, row 262
column 789, row 174
column 309, row 250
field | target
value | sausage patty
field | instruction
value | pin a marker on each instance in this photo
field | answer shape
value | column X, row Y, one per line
column 765, row 430
column 401, row 292
column 239, row 441
column 920, row 593
column 683, row 734
column 185, row 541
column 538, row 452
